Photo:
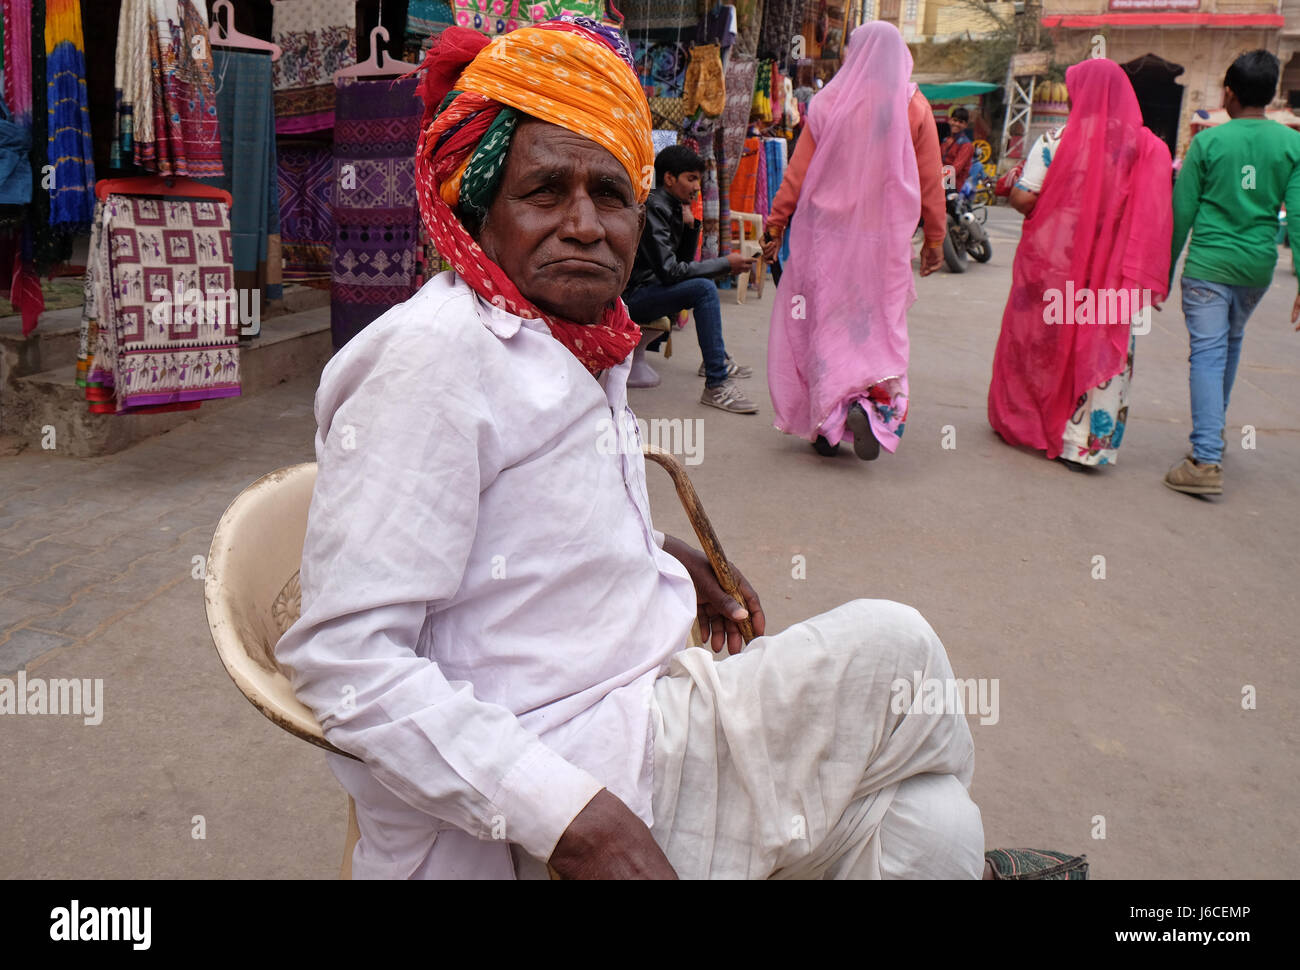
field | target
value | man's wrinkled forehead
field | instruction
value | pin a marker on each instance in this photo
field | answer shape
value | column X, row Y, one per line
column 543, row 152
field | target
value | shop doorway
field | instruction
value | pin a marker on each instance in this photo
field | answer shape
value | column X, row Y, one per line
column 1159, row 96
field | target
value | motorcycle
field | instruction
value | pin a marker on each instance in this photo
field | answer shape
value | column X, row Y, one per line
column 966, row 234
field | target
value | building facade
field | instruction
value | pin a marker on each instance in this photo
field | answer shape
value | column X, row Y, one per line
column 938, row 20
column 1174, row 51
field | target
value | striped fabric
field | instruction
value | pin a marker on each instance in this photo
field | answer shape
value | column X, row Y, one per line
column 72, row 202
column 1036, row 864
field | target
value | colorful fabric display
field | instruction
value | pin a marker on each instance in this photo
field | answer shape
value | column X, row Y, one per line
column 165, row 92
column 18, row 60
column 318, row 37
column 425, row 20
column 159, row 329
column 246, row 119
column 71, row 187
column 705, row 89
column 376, row 219
column 494, row 17
column 306, row 218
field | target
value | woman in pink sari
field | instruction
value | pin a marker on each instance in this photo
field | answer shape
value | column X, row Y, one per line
column 838, row 350
column 1093, row 258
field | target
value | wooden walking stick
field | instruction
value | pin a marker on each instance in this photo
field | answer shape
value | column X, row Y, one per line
column 703, row 531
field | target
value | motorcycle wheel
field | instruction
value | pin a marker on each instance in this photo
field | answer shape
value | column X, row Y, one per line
column 978, row 245
column 953, row 254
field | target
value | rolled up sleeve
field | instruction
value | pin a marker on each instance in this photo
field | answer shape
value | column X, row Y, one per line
column 405, row 445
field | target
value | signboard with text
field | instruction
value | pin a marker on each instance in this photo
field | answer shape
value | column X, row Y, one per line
column 1030, row 64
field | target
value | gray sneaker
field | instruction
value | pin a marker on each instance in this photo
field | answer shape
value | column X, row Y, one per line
column 727, row 397
column 733, row 369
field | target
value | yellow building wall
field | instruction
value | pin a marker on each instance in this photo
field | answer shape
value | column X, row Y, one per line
column 942, row 18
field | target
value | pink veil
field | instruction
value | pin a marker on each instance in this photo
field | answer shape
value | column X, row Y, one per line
column 1103, row 222
column 839, row 324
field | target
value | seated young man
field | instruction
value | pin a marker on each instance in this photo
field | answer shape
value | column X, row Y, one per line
column 666, row 279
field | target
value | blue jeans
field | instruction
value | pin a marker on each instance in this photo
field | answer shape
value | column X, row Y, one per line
column 701, row 297
column 1216, row 316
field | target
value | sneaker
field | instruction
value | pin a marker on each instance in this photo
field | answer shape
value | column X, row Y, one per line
column 727, row 397
column 733, row 369
column 1193, row 479
column 865, row 445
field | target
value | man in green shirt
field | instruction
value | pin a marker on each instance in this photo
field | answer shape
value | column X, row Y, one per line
column 1232, row 184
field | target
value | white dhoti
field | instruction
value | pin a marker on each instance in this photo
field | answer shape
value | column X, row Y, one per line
column 789, row 761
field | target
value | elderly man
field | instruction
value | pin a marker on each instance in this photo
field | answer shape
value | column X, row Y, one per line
column 491, row 623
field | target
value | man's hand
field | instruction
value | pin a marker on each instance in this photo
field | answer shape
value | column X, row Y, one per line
column 771, row 248
column 931, row 258
column 1295, row 312
column 718, row 613
column 607, row 841
column 688, row 217
column 739, row 263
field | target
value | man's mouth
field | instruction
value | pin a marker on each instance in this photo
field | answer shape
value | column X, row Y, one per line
column 574, row 264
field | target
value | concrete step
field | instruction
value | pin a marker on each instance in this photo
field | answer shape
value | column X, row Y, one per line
column 48, row 409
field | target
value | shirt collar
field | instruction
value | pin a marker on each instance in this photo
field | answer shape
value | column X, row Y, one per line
column 501, row 322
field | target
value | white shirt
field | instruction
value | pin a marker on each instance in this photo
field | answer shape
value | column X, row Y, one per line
column 486, row 605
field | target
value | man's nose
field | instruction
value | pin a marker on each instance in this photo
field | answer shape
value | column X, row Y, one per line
column 582, row 221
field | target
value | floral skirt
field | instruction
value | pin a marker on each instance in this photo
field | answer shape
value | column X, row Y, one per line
column 1096, row 428
column 886, row 405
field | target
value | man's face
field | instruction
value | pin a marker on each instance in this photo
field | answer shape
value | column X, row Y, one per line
column 565, row 223
column 682, row 187
column 957, row 126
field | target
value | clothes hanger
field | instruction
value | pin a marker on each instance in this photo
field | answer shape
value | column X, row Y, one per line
column 233, row 38
column 379, row 64
column 171, row 186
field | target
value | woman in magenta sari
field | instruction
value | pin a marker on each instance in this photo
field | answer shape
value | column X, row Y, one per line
column 838, row 350
column 1093, row 258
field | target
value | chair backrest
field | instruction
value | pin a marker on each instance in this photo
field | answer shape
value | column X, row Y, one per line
column 252, row 592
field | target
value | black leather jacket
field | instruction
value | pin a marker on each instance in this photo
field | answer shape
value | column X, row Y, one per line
column 664, row 255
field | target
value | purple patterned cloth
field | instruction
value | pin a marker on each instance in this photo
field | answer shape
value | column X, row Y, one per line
column 376, row 218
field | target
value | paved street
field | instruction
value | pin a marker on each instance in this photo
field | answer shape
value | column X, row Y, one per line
column 1120, row 699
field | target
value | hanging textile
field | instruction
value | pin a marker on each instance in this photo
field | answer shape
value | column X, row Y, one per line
column 18, row 60
column 704, row 85
column 662, row 138
column 494, row 17
column 782, row 20
column 744, row 189
column 304, row 173
column 165, row 97
column 246, row 118
column 749, row 21
column 761, row 107
column 159, row 330
column 709, row 195
column 376, row 219
column 762, row 201
column 318, row 37
column 425, row 20
column 740, row 75
column 44, row 245
column 70, row 153
column 725, row 167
